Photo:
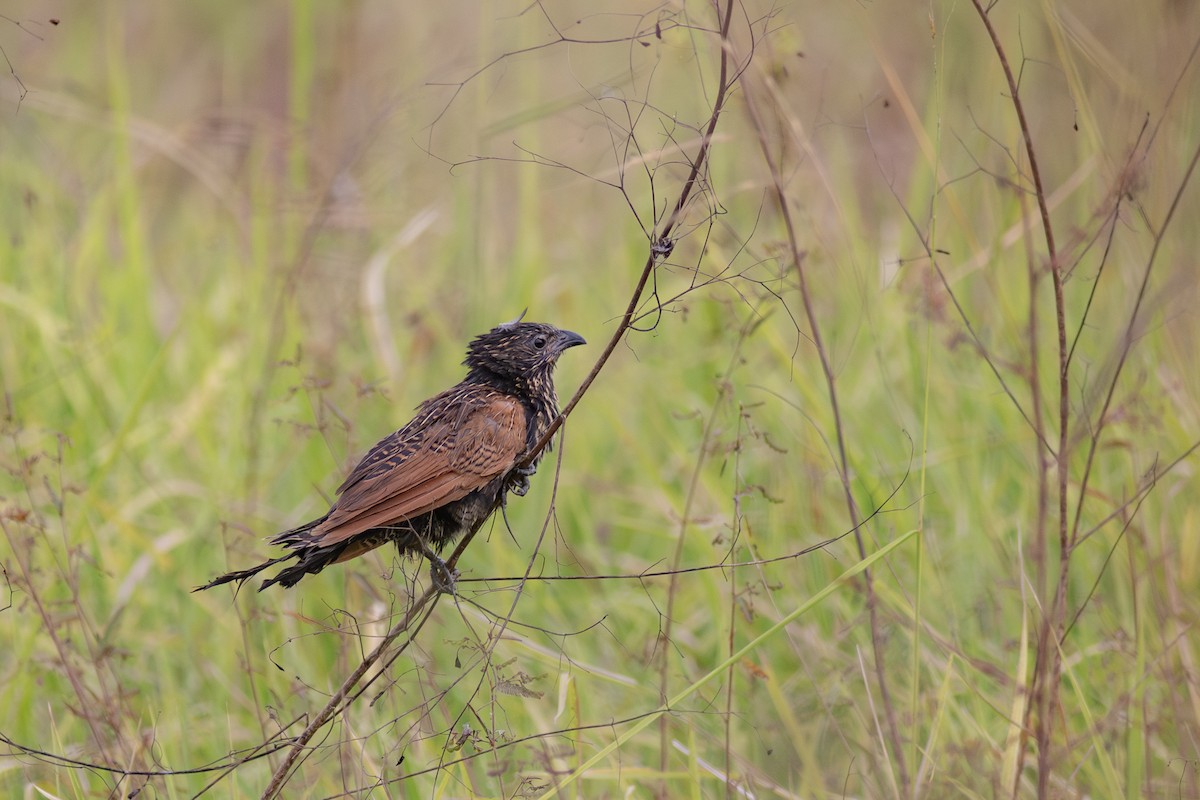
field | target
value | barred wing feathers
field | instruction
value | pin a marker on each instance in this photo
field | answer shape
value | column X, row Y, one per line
column 461, row 441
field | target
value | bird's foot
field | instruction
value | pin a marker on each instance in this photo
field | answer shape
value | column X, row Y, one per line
column 518, row 480
column 518, row 485
column 444, row 578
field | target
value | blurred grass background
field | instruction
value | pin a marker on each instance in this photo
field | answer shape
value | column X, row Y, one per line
column 235, row 253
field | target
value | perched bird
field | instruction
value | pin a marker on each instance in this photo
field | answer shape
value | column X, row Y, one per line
column 447, row 470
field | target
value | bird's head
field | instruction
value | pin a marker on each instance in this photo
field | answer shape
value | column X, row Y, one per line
column 520, row 351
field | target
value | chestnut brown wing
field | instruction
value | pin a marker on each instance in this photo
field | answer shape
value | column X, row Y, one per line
column 464, row 447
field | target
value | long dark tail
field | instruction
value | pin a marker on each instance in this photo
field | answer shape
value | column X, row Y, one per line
column 243, row 575
column 311, row 560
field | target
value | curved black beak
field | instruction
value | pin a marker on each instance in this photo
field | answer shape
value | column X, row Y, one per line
column 569, row 339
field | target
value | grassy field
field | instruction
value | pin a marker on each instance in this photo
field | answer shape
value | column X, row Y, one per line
column 242, row 241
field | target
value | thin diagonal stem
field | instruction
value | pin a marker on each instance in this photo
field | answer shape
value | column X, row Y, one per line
column 699, row 164
column 416, row 612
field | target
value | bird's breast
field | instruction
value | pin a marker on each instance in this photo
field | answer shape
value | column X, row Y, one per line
column 543, row 413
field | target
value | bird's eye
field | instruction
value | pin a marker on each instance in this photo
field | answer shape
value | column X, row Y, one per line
column 539, row 342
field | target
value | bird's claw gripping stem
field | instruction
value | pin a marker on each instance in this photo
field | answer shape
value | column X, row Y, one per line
column 518, row 480
column 444, row 579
